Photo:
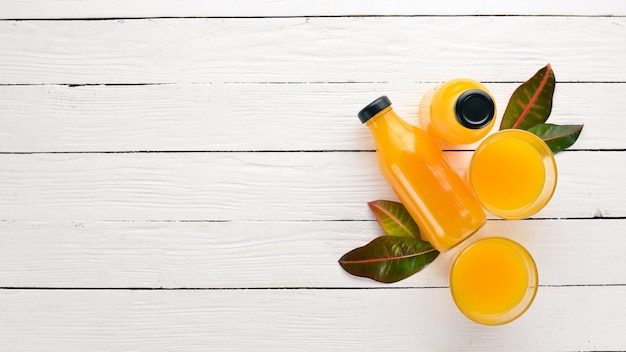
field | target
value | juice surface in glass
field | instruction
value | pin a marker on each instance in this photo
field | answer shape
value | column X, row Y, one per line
column 513, row 174
column 493, row 281
column 437, row 198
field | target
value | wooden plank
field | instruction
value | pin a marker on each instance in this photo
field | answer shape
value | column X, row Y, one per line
column 15, row 9
column 250, row 116
column 341, row 49
column 560, row 319
column 267, row 277
column 274, row 254
column 254, row 186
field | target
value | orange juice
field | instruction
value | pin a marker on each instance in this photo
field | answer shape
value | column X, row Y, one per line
column 459, row 111
column 493, row 281
column 435, row 196
column 513, row 174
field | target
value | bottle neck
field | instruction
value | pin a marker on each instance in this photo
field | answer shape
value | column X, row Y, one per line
column 383, row 120
column 390, row 131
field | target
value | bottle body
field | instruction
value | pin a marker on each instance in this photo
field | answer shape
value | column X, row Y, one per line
column 460, row 111
column 432, row 192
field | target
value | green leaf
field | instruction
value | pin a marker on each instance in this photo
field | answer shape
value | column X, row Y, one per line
column 389, row 258
column 531, row 103
column 394, row 219
column 557, row 137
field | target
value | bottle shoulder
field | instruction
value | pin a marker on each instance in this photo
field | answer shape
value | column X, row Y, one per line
column 404, row 138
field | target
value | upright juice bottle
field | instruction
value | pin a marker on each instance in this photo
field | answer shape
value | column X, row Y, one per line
column 432, row 192
column 460, row 111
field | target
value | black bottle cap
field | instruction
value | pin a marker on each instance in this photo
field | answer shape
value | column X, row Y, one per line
column 474, row 109
column 374, row 108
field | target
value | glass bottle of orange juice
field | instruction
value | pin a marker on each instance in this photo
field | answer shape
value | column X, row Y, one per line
column 460, row 111
column 413, row 164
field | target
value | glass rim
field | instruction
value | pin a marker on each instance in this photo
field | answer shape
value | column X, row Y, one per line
column 525, row 302
column 551, row 174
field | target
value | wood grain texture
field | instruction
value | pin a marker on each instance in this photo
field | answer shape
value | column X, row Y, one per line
column 287, row 320
column 15, row 9
column 342, row 49
column 275, row 254
column 254, row 186
column 184, row 175
column 252, row 116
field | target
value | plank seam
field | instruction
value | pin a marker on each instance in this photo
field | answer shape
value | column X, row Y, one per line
column 268, row 288
column 603, row 150
column 300, row 16
column 596, row 217
column 131, row 84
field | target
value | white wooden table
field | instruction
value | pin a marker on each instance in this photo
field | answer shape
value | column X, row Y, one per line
column 184, row 175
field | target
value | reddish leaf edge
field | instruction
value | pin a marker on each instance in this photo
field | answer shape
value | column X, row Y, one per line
column 534, row 98
column 358, row 266
column 373, row 205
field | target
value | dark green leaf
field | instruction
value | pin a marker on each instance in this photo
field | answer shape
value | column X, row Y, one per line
column 557, row 137
column 531, row 103
column 394, row 219
column 389, row 258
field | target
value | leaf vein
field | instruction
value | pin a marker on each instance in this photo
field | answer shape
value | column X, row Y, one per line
column 534, row 98
column 393, row 217
column 377, row 260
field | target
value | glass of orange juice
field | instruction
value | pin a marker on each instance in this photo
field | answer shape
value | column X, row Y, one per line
column 493, row 281
column 513, row 174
